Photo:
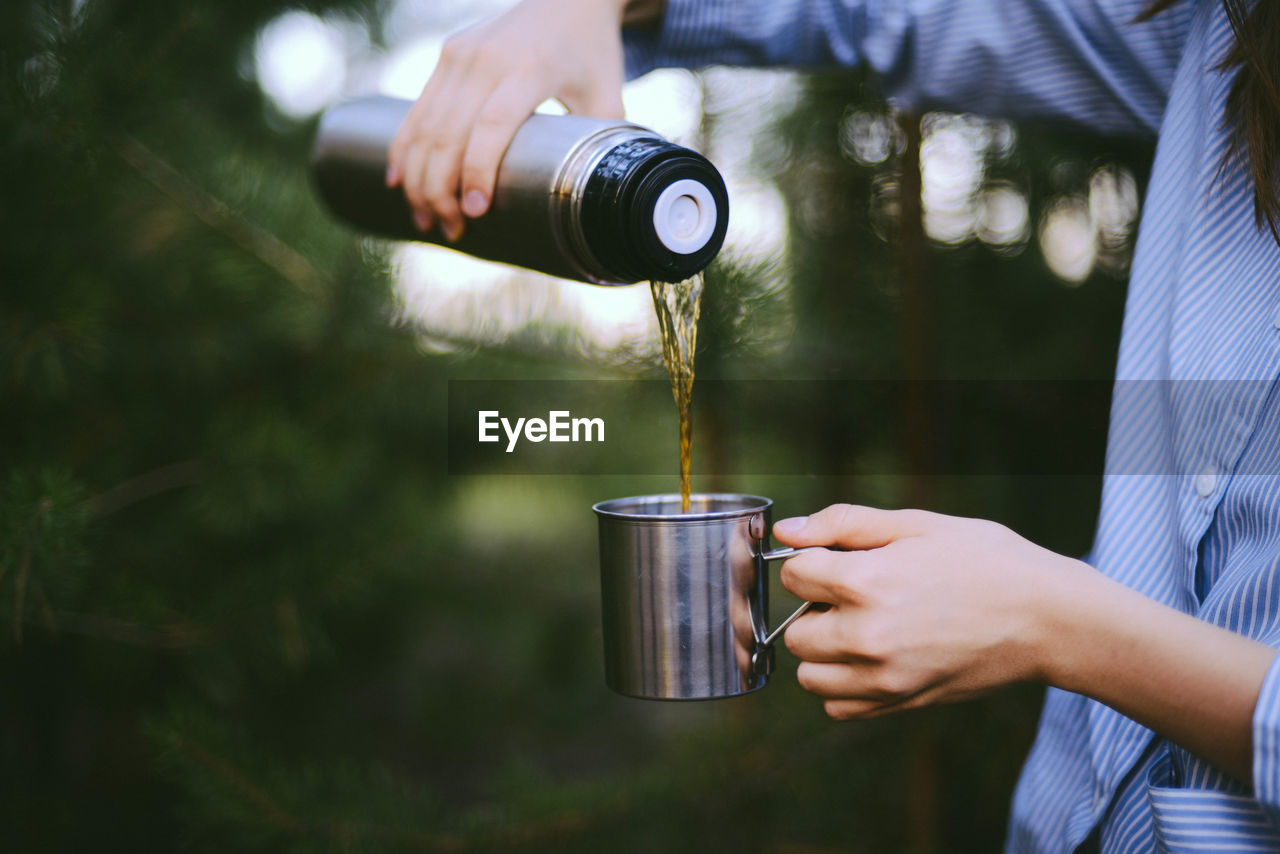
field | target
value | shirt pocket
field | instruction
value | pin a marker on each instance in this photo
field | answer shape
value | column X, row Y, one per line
column 1203, row 820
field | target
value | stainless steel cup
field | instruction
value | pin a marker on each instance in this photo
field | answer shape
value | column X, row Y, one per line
column 685, row 595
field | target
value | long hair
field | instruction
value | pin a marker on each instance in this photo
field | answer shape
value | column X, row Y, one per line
column 1253, row 104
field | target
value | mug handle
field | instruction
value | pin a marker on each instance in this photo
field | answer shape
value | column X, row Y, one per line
column 783, row 554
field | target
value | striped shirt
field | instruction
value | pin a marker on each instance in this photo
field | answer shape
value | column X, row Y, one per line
column 1191, row 499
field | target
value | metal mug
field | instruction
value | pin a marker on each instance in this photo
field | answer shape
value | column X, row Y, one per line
column 685, row 595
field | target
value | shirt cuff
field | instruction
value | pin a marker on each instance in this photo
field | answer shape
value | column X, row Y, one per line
column 1266, row 744
column 692, row 33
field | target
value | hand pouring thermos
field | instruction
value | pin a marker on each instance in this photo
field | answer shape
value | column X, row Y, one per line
column 600, row 201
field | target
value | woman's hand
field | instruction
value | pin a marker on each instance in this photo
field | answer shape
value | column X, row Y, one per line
column 930, row 609
column 489, row 80
column 925, row 608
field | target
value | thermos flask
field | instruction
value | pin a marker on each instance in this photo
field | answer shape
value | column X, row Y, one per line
column 605, row 202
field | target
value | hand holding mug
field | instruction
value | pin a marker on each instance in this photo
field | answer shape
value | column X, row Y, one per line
column 925, row 608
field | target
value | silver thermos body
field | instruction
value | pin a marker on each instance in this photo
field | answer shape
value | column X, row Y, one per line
column 600, row 201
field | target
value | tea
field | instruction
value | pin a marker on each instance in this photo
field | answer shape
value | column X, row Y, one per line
column 678, row 305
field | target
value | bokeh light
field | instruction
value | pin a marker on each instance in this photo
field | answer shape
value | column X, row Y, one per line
column 868, row 138
column 455, row 301
column 952, row 153
column 410, row 20
column 40, row 75
column 301, row 60
column 405, row 69
column 1067, row 239
column 757, row 223
column 1114, row 206
column 667, row 101
column 1003, row 216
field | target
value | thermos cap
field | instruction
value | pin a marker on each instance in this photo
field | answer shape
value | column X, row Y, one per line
column 653, row 210
column 685, row 216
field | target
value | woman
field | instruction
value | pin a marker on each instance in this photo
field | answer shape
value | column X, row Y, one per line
column 1162, row 724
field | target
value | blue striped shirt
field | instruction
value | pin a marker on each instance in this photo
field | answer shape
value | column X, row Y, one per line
column 1191, row 500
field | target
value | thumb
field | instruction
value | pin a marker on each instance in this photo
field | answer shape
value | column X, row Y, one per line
column 599, row 96
column 850, row 526
column 601, row 103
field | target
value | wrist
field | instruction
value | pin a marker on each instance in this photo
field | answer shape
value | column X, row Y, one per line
column 1193, row 682
column 1065, row 624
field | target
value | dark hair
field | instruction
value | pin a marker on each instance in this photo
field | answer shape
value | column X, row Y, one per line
column 1253, row 105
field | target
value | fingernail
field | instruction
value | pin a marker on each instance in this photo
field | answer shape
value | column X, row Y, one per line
column 451, row 232
column 422, row 219
column 794, row 525
column 393, row 176
column 474, row 203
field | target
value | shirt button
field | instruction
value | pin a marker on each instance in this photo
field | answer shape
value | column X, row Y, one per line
column 1276, row 320
column 1206, row 483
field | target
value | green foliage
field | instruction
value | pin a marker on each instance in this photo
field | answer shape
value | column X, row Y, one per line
column 245, row 608
column 43, row 553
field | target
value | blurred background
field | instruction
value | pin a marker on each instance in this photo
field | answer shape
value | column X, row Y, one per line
column 243, row 604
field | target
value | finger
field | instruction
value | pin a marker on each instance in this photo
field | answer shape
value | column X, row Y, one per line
column 604, row 101
column 415, row 167
column 742, row 655
column 826, row 637
column 855, row 692
column 821, row 575
column 856, row 710
column 865, row 709
column 398, row 150
column 852, row 527
column 496, row 123
column 608, row 103
column 602, row 96
column 423, row 137
column 744, row 630
column 841, row 681
column 414, row 125
column 444, row 164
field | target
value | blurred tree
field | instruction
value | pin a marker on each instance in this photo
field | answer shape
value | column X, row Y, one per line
column 243, row 607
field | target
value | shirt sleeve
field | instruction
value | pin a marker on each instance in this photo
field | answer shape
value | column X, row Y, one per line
column 1266, row 745
column 1081, row 61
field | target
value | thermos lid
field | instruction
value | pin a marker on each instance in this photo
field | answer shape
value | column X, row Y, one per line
column 654, row 210
column 685, row 216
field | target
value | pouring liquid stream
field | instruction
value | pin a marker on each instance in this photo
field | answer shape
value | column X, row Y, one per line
column 678, row 305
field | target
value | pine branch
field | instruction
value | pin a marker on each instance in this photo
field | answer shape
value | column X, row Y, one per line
column 215, row 213
column 47, row 611
column 20, row 592
column 550, row 831
column 173, row 637
column 275, row 814
column 147, row 485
